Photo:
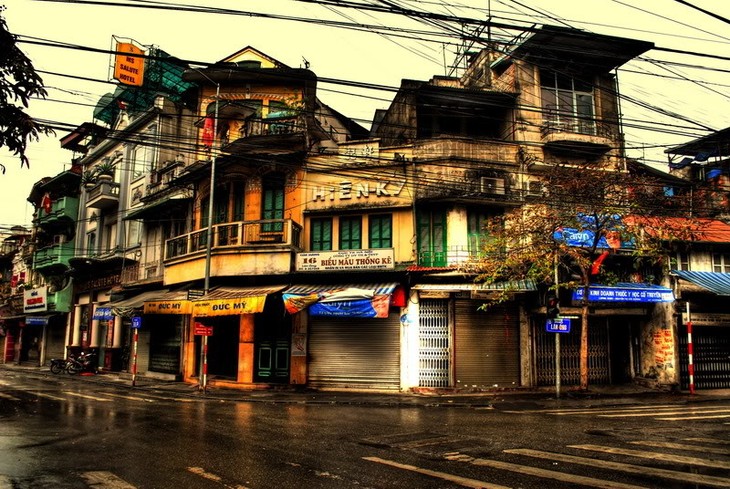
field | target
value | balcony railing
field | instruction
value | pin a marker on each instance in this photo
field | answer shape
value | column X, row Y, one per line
column 103, row 195
column 560, row 123
column 141, row 273
column 58, row 254
column 65, row 208
column 242, row 234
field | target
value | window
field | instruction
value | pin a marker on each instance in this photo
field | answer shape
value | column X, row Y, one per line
column 431, row 238
column 134, row 233
column 567, row 103
column 272, row 206
column 478, row 232
column 321, row 234
column 682, row 261
column 721, row 262
column 239, row 192
column 381, row 231
column 350, row 233
column 90, row 244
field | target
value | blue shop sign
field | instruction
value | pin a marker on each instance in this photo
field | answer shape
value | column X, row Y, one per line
column 103, row 313
column 626, row 292
column 36, row 320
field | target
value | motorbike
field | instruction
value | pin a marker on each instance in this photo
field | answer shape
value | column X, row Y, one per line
column 82, row 363
column 58, row 365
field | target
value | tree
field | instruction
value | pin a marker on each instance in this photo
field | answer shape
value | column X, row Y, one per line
column 19, row 82
column 589, row 214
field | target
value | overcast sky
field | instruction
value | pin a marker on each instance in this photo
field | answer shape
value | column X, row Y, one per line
column 668, row 96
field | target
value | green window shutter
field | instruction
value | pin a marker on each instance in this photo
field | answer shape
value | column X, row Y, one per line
column 381, row 231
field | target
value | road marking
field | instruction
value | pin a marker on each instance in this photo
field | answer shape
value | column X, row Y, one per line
column 684, row 412
column 106, row 480
column 93, row 398
column 409, row 445
column 551, row 474
column 681, row 446
column 131, row 398
column 213, row 477
column 9, row 397
column 687, row 418
column 47, row 396
column 705, row 480
column 709, row 440
column 591, row 411
column 680, row 459
column 462, row 481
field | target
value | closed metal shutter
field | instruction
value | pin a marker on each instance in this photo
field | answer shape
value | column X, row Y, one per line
column 143, row 351
column 55, row 341
column 487, row 345
column 354, row 352
column 711, row 357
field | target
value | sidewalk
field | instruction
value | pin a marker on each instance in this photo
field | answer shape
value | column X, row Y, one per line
column 517, row 399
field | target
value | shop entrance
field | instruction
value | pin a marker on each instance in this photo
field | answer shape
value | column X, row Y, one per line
column 223, row 346
column 272, row 336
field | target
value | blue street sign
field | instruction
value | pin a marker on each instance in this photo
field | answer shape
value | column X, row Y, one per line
column 136, row 322
column 558, row 325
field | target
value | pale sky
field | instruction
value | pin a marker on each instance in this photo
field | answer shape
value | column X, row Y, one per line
column 681, row 84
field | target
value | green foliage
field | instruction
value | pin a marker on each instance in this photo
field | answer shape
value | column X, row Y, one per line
column 19, row 82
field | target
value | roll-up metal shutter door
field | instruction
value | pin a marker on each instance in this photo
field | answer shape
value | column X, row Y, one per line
column 487, row 345
column 143, row 351
column 354, row 352
column 55, row 341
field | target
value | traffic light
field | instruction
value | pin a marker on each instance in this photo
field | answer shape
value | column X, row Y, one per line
column 552, row 307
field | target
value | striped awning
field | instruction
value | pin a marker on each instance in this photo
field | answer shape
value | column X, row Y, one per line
column 377, row 288
column 225, row 301
column 239, row 292
column 716, row 282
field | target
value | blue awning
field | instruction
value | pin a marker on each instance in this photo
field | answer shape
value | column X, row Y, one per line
column 716, row 282
column 626, row 292
column 346, row 300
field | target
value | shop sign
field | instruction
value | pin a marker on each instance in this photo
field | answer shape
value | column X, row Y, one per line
column 229, row 307
column 36, row 320
column 35, row 300
column 103, row 313
column 168, row 307
column 369, row 259
column 707, row 319
column 136, row 322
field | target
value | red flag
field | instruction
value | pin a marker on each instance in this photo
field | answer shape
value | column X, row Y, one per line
column 596, row 268
column 46, row 203
column 208, row 136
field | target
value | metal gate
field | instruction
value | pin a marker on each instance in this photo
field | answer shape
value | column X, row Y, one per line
column 354, row 352
column 598, row 353
column 487, row 345
column 711, row 357
column 434, row 340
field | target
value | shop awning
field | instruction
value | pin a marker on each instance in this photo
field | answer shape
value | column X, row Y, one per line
column 716, row 282
column 173, row 302
column 626, row 292
column 226, row 301
column 125, row 306
column 154, row 209
column 511, row 286
column 341, row 300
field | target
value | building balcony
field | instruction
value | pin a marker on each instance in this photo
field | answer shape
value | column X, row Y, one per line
column 271, row 136
column 64, row 212
column 265, row 247
column 62, row 300
column 103, row 195
column 142, row 273
column 54, row 258
column 573, row 134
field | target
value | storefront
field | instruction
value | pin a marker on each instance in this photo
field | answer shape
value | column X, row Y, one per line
column 710, row 329
column 352, row 339
column 164, row 324
column 627, row 329
column 461, row 343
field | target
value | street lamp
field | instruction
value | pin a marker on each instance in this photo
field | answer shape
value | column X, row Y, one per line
column 203, row 383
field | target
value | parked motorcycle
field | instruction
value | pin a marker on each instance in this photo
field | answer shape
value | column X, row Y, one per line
column 58, row 365
column 82, row 363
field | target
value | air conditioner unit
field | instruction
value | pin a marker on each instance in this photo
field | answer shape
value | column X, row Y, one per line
column 489, row 185
column 535, row 188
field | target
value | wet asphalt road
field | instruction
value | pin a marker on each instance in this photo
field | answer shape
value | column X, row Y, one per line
column 60, row 432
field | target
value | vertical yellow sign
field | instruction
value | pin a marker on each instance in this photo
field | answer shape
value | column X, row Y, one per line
column 129, row 69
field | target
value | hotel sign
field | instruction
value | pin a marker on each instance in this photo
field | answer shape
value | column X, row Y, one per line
column 373, row 187
column 129, row 70
column 322, row 261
